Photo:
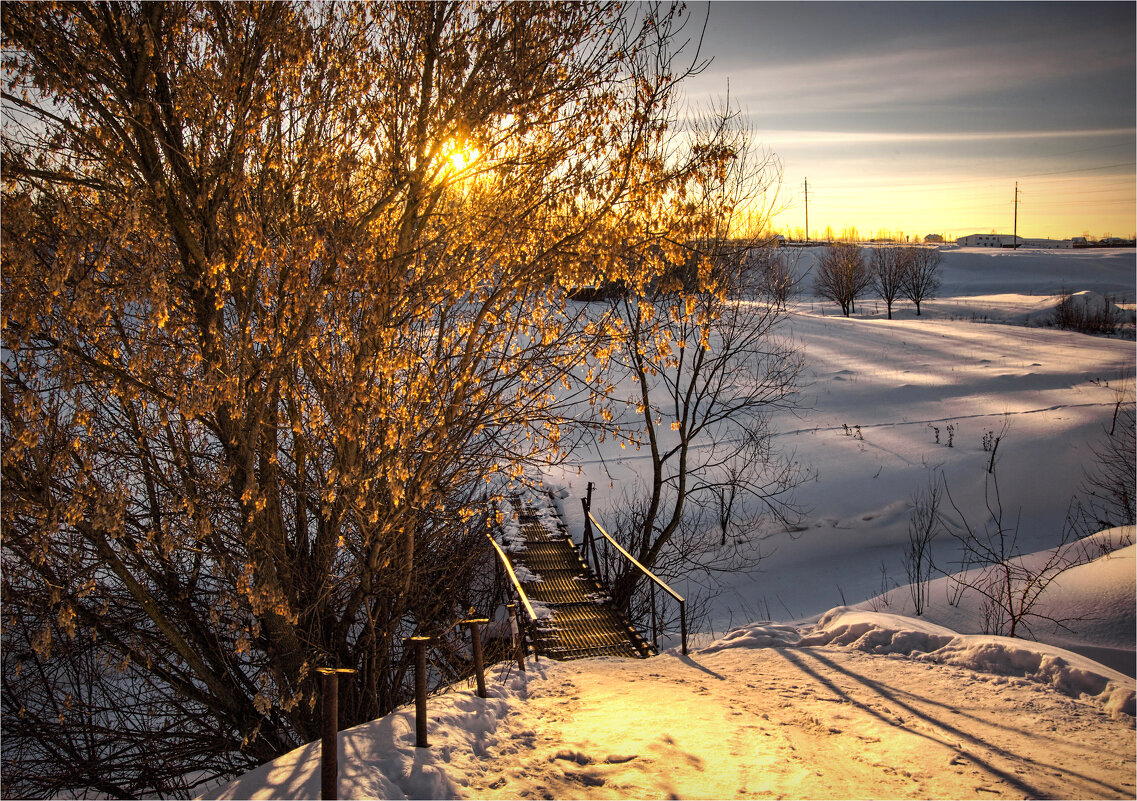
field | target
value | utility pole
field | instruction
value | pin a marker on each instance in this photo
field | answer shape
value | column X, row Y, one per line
column 1015, row 239
column 807, row 209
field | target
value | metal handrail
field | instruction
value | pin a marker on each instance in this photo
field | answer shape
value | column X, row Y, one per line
column 513, row 577
column 650, row 575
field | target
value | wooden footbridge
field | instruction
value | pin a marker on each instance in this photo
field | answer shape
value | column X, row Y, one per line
column 570, row 614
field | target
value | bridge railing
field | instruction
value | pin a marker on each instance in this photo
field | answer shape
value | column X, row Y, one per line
column 520, row 594
column 654, row 578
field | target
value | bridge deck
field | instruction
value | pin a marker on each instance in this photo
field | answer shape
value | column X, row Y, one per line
column 581, row 621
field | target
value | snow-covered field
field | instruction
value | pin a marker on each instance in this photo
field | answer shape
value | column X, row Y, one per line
column 900, row 381
column 847, row 695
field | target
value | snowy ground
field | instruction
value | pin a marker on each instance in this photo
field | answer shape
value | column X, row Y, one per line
column 864, row 705
column 860, row 701
column 900, row 380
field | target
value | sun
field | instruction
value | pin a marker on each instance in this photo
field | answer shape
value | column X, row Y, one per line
column 461, row 156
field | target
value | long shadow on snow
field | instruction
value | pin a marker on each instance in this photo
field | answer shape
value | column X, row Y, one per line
column 1097, row 787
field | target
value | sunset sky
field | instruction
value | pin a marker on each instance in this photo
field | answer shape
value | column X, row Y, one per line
column 919, row 117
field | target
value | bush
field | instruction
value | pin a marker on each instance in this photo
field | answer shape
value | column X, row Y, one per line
column 1088, row 313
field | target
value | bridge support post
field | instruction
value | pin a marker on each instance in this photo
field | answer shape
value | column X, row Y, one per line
column 329, row 731
column 654, row 626
column 589, row 543
column 474, row 625
column 683, row 625
column 420, row 690
column 515, row 636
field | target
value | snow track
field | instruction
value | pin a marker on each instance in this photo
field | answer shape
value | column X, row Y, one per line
column 817, row 722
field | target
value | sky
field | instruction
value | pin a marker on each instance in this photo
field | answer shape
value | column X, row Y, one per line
column 919, row 118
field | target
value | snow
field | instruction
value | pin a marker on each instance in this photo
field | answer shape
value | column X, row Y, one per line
column 1067, row 672
column 1086, row 304
column 900, row 380
column 1097, row 596
column 860, row 705
column 831, row 687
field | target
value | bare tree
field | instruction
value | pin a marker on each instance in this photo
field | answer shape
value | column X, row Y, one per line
column 776, row 272
column 1109, row 487
column 890, row 268
column 924, row 524
column 923, row 277
column 1010, row 582
column 842, row 275
column 706, row 369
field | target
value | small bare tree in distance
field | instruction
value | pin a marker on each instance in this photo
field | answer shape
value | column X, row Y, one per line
column 842, row 275
column 890, row 267
column 775, row 270
column 923, row 276
column 924, row 523
column 1108, row 496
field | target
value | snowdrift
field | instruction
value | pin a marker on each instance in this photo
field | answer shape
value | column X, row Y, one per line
column 1095, row 598
column 379, row 759
column 1088, row 609
column 1003, row 657
column 1085, row 310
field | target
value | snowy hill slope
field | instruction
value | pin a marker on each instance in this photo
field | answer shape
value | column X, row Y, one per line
column 888, row 404
column 863, row 705
column 860, row 701
column 1088, row 609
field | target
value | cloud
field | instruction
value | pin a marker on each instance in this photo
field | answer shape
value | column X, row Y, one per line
column 843, row 138
column 885, row 79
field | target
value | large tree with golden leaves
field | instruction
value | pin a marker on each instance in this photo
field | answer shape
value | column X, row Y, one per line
column 284, row 291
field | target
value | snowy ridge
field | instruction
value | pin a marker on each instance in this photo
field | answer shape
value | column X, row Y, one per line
column 1005, row 657
column 379, row 759
column 780, row 720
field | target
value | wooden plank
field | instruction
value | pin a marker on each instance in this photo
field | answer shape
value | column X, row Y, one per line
column 581, row 620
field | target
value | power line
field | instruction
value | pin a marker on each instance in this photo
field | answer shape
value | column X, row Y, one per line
column 1015, row 232
column 807, row 208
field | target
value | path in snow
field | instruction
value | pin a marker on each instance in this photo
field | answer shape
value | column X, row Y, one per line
column 743, row 722
column 798, row 722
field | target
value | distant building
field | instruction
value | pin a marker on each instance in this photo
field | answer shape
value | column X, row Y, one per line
column 1108, row 242
column 986, row 241
column 1008, row 241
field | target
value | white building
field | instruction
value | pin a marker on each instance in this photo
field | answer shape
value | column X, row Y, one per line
column 1008, row 241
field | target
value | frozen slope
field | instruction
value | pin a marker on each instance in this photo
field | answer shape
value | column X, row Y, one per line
column 854, row 702
column 924, row 392
column 863, row 706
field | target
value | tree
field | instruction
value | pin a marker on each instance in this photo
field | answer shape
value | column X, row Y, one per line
column 774, row 268
column 700, row 369
column 923, row 279
column 1010, row 582
column 701, row 411
column 924, row 524
column 842, row 275
column 890, row 268
column 284, row 295
column 1109, row 486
